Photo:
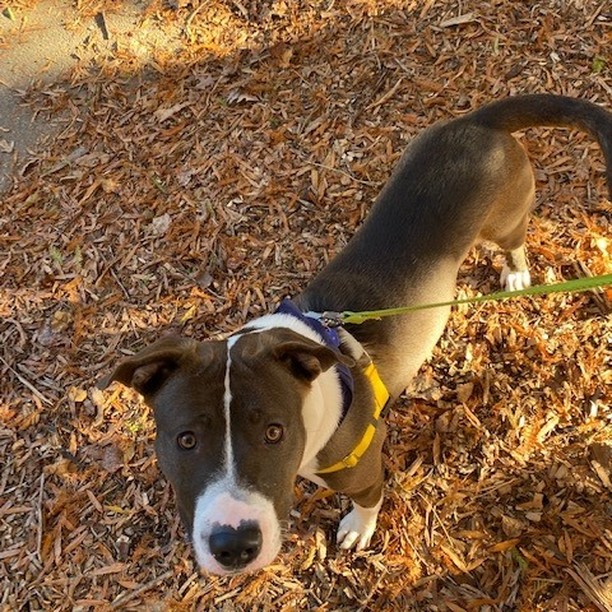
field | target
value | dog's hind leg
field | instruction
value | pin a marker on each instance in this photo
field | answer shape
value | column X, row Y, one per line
column 515, row 273
column 507, row 221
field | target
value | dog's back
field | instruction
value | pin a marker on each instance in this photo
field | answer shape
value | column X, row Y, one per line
column 459, row 181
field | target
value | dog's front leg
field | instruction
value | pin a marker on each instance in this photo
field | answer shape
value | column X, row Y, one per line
column 363, row 484
column 357, row 527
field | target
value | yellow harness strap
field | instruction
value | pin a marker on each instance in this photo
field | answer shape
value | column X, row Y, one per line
column 381, row 397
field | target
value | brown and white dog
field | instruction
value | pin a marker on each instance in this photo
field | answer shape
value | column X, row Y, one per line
column 238, row 419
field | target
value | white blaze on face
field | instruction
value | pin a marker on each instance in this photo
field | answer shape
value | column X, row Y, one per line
column 224, row 502
column 227, row 401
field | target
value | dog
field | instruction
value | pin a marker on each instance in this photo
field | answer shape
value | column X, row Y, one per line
column 239, row 419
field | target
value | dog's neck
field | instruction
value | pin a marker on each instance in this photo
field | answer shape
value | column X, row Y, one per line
column 322, row 413
column 322, row 409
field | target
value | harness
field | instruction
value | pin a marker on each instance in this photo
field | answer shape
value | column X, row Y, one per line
column 381, row 397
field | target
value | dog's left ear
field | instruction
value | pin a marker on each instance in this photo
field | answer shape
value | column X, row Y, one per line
column 147, row 371
column 307, row 359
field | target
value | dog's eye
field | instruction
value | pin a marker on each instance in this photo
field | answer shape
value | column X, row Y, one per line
column 187, row 440
column 274, row 433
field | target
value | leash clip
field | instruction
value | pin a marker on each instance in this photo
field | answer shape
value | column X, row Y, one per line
column 331, row 319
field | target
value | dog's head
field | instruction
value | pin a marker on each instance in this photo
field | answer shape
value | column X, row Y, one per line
column 231, row 434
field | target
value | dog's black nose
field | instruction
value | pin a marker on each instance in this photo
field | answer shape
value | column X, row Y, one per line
column 235, row 548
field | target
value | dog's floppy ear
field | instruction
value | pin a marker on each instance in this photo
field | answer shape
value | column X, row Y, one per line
column 147, row 371
column 306, row 358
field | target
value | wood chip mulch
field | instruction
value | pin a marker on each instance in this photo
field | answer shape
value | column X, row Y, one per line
column 190, row 193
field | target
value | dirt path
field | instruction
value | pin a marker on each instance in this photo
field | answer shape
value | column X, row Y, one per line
column 43, row 44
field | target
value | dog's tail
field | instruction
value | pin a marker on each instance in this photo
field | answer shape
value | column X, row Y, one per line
column 521, row 112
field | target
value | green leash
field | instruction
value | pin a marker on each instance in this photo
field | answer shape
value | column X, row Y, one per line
column 333, row 319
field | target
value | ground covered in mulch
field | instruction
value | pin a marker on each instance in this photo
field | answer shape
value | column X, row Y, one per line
column 192, row 192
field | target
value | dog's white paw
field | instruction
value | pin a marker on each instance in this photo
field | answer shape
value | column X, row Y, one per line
column 515, row 280
column 357, row 527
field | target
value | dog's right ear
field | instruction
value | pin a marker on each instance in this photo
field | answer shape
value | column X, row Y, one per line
column 147, row 371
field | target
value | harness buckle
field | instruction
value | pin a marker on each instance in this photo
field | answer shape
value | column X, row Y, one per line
column 351, row 460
